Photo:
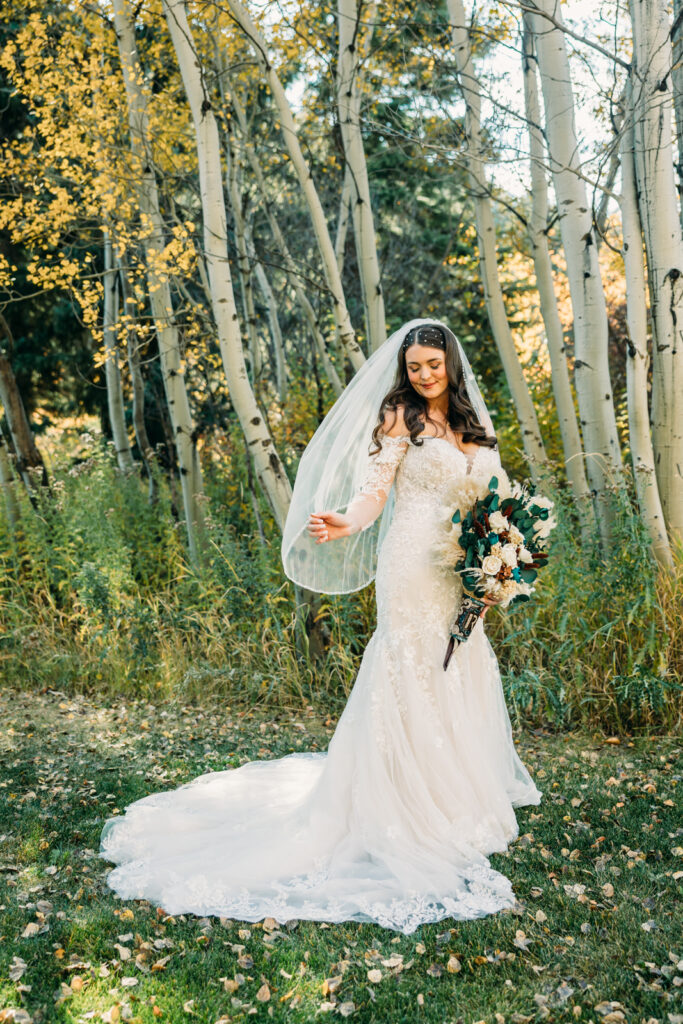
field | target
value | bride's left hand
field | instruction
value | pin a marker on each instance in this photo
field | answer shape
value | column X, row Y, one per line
column 489, row 602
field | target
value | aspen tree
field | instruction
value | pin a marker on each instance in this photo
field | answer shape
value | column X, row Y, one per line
column 160, row 298
column 659, row 215
column 348, row 102
column 537, row 230
column 677, row 83
column 637, row 358
column 591, row 366
column 112, row 373
column 267, row 463
column 486, row 240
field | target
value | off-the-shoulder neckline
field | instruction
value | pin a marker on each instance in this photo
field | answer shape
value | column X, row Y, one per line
column 470, row 457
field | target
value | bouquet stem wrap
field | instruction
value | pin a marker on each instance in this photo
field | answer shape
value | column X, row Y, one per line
column 463, row 623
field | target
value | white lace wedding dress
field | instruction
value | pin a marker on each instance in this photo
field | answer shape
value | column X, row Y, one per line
column 394, row 822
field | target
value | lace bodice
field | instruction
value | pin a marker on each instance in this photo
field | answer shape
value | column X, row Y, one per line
column 426, row 475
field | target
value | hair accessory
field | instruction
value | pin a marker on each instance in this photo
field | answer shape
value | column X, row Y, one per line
column 431, row 336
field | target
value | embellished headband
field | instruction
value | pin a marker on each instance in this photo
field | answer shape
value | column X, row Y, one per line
column 426, row 335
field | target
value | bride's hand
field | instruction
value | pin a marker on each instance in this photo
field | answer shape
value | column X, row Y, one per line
column 325, row 526
column 489, row 602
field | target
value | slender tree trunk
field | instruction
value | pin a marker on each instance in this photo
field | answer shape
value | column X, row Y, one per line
column 348, row 103
column 137, row 383
column 642, row 454
column 273, row 320
column 27, row 454
column 538, row 222
column 591, row 366
column 243, row 262
column 677, row 82
column 343, row 219
column 486, row 238
column 7, row 486
column 266, row 460
column 115, row 404
column 303, row 172
column 160, row 297
column 659, row 215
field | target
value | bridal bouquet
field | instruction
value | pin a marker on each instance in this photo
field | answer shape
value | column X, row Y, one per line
column 497, row 543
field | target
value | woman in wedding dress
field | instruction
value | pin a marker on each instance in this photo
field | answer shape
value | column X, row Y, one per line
column 395, row 822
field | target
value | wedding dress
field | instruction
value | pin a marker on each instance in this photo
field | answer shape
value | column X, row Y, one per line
column 395, row 822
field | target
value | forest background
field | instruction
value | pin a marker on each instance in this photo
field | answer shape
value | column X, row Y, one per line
column 211, row 214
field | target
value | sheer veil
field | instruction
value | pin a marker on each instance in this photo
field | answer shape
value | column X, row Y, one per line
column 333, row 467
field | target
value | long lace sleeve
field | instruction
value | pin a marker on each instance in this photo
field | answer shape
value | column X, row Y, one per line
column 372, row 494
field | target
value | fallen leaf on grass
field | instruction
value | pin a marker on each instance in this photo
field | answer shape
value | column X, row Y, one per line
column 17, row 968
column 520, row 940
column 346, row 1009
column 453, row 965
column 374, row 976
column 331, row 985
column 263, row 994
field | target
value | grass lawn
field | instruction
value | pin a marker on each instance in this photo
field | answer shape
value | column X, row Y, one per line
column 596, row 933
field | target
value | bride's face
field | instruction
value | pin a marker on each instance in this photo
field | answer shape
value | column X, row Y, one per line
column 426, row 369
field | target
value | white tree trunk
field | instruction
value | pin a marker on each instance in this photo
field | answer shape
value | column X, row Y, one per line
column 274, row 322
column 343, row 219
column 112, row 373
column 637, row 360
column 537, row 230
column 303, row 172
column 659, row 215
column 243, row 263
column 486, row 239
column 268, row 466
column 591, row 366
column 348, row 102
column 677, row 82
column 160, row 298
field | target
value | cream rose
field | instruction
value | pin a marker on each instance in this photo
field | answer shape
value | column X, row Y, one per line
column 491, row 565
column 498, row 522
column 525, row 555
column 508, row 554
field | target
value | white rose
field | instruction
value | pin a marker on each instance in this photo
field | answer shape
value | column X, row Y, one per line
column 525, row 555
column 498, row 522
column 491, row 565
column 508, row 553
column 516, row 536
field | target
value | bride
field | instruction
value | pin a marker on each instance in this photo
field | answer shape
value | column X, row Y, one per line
column 395, row 822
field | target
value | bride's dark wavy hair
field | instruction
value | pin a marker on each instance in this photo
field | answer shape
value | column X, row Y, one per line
column 461, row 415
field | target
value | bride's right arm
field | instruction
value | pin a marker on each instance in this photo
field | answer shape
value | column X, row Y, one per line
column 367, row 504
